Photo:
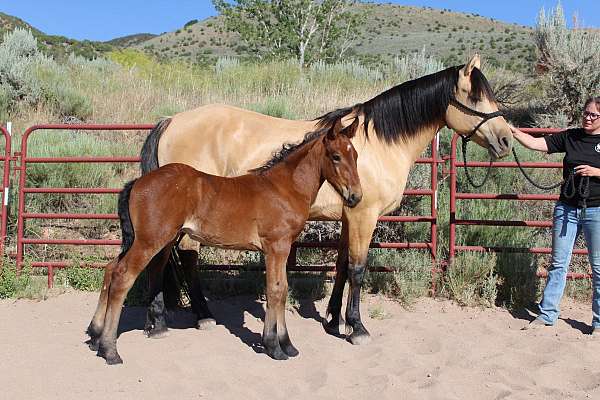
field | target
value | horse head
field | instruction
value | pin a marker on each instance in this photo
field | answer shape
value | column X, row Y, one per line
column 339, row 164
column 473, row 112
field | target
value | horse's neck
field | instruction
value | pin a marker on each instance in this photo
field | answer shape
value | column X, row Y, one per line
column 417, row 146
column 409, row 149
column 301, row 171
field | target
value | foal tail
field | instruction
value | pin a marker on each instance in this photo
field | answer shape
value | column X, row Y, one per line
column 149, row 153
column 173, row 274
column 127, row 232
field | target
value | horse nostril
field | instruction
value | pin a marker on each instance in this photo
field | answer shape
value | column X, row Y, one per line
column 504, row 141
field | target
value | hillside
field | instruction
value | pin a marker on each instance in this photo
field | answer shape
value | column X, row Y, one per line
column 131, row 40
column 389, row 30
column 56, row 46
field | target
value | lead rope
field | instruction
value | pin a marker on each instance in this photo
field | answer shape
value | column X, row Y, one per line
column 529, row 179
column 568, row 190
column 467, row 174
column 583, row 190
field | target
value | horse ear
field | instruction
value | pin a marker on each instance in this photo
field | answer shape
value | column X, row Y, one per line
column 350, row 130
column 474, row 62
column 335, row 129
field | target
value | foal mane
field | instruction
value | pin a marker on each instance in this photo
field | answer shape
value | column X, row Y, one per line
column 286, row 150
column 399, row 113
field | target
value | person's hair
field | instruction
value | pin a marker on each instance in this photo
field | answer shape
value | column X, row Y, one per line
column 593, row 99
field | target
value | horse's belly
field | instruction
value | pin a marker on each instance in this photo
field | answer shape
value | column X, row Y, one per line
column 235, row 238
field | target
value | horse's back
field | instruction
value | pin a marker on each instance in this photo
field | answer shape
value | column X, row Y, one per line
column 225, row 140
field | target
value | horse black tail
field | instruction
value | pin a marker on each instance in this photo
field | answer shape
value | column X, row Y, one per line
column 127, row 232
column 149, row 153
column 174, row 281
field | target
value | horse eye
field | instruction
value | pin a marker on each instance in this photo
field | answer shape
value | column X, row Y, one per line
column 336, row 158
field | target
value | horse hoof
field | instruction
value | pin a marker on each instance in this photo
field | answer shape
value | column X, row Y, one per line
column 334, row 327
column 92, row 344
column 358, row 338
column 277, row 354
column 114, row 360
column 206, row 324
column 157, row 333
column 111, row 357
column 290, row 350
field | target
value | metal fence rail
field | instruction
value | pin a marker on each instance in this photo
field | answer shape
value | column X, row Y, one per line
column 23, row 190
column 23, row 215
column 6, row 158
column 455, row 196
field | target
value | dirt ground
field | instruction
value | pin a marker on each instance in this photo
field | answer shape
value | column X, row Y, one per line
column 436, row 350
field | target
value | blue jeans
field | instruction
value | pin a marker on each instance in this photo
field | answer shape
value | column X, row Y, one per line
column 568, row 222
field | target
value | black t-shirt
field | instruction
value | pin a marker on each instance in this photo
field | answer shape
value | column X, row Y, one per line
column 581, row 149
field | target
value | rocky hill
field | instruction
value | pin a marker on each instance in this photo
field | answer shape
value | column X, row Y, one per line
column 389, row 30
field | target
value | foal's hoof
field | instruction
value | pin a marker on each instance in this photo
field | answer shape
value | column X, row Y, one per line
column 277, row 354
column 290, row 350
column 156, row 333
column 92, row 344
column 206, row 324
column 358, row 336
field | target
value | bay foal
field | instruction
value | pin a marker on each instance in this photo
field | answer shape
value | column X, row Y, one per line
column 264, row 210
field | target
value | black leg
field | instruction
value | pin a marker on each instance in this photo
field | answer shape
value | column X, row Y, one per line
column 334, row 326
column 156, row 321
column 355, row 330
column 189, row 262
column 334, row 308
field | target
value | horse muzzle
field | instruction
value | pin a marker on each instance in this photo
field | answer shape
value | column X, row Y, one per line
column 351, row 197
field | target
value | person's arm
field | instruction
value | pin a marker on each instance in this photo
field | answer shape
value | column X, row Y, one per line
column 533, row 143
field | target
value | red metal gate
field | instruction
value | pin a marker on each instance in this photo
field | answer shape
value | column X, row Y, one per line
column 24, row 215
column 455, row 195
column 6, row 159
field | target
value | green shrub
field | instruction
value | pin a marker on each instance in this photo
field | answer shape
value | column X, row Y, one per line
column 10, row 282
column 28, row 76
column 570, row 58
column 471, row 279
column 85, row 278
column 275, row 107
column 410, row 279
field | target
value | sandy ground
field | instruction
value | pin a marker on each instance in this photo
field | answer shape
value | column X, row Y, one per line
column 436, row 350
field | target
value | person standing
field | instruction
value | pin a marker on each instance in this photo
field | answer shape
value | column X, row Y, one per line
column 577, row 210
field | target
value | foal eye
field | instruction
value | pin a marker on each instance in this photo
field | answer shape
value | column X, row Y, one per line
column 336, row 158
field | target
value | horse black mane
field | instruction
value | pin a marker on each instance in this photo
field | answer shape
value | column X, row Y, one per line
column 401, row 112
column 286, row 150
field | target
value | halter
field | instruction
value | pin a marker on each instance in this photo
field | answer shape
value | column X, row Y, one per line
column 485, row 117
column 467, row 138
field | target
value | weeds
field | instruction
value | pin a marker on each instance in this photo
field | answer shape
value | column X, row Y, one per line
column 471, row 280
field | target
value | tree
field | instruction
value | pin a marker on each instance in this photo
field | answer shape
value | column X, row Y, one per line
column 568, row 61
column 307, row 30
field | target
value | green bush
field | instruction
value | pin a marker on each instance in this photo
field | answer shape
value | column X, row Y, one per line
column 28, row 76
column 570, row 58
column 10, row 282
column 85, row 278
column 471, row 279
column 410, row 279
column 275, row 107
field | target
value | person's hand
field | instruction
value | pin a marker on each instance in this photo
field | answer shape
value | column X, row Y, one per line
column 586, row 170
column 515, row 131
